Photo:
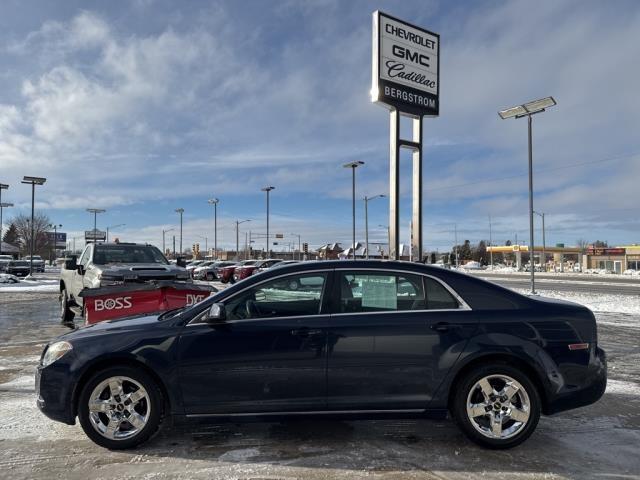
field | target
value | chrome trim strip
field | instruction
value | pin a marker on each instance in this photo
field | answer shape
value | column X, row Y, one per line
column 463, row 305
column 309, row 412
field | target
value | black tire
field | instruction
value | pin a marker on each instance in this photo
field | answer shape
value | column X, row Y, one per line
column 210, row 277
column 66, row 315
column 232, row 280
column 459, row 405
column 155, row 399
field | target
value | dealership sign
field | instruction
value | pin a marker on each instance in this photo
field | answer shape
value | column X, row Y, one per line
column 57, row 238
column 95, row 235
column 406, row 61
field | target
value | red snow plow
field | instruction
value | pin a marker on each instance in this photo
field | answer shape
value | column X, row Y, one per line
column 119, row 301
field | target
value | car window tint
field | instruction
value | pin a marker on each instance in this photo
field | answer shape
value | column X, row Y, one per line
column 380, row 292
column 294, row 295
column 438, row 297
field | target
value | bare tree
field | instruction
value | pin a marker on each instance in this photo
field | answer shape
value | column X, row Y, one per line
column 41, row 227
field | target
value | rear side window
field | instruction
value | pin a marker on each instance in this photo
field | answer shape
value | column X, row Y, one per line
column 438, row 297
column 380, row 292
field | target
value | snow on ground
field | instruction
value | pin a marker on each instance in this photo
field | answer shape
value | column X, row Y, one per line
column 39, row 285
column 627, row 304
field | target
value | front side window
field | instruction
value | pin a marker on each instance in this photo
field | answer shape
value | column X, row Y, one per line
column 379, row 292
column 84, row 259
column 293, row 295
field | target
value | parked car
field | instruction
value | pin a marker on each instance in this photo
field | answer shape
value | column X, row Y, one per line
column 4, row 261
column 19, row 268
column 225, row 274
column 193, row 265
column 210, row 271
column 245, row 271
column 354, row 339
column 38, row 262
column 195, row 272
column 103, row 264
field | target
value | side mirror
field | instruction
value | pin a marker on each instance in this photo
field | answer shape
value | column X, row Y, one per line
column 81, row 269
column 181, row 262
column 216, row 314
column 70, row 263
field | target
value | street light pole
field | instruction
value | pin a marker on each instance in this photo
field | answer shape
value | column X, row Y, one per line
column 214, row 202
column 366, row 220
column 163, row 233
column 268, row 250
column 238, row 222
column 490, row 243
column 180, row 211
column 299, row 245
column 353, row 166
column 455, row 232
column 116, row 226
column 33, row 181
column 3, row 186
column 527, row 110
column 543, row 262
column 95, row 212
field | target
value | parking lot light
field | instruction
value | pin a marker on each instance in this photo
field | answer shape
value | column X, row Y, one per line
column 112, row 227
column 238, row 222
column 33, row 181
column 527, row 110
column 268, row 189
column 353, row 166
column 163, row 234
column 214, row 202
column 3, row 186
column 180, row 211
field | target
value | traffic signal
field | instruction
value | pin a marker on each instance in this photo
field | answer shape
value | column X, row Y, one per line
column 305, row 247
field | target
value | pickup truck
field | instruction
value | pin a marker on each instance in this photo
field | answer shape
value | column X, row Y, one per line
column 38, row 262
column 105, row 264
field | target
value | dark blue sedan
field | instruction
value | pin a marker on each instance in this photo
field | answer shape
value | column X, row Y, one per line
column 350, row 339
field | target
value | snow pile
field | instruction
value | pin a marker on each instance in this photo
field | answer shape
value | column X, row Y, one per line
column 472, row 266
column 631, row 271
column 598, row 303
column 7, row 278
column 38, row 285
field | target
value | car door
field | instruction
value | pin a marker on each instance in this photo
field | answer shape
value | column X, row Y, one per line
column 389, row 332
column 268, row 356
column 78, row 283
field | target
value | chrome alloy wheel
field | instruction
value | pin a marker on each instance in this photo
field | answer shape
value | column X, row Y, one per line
column 498, row 407
column 119, row 408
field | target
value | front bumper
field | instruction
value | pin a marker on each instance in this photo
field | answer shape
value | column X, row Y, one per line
column 592, row 389
column 54, row 393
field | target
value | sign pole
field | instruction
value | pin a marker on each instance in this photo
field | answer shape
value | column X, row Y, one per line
column 394, row 184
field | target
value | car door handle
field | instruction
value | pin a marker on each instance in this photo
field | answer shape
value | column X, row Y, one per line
column 442, row 326
column 305, row 332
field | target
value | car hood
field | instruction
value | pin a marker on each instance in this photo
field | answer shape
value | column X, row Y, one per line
column 139, row 267
column 113, row 326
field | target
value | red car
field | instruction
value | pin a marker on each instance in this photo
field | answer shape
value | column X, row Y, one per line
column 225, row 274
column 247, row 270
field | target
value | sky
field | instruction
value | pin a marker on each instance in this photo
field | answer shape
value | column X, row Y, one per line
column 142, row 107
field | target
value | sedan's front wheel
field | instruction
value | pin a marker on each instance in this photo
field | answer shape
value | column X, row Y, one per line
column 120, row 408
column 496, row 406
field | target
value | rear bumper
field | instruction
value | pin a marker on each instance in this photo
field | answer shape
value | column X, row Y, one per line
column 591, row 391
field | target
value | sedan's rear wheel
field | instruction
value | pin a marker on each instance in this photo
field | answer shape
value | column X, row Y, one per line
column 120, row 408
column 210, row 277
column 496, row 406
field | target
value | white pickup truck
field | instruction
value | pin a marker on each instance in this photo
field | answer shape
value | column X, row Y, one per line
column 103, row 264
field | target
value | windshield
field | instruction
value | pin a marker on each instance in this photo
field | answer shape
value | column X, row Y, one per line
column 105, row 254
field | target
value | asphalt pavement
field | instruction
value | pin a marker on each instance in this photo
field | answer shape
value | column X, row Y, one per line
column 596, row 442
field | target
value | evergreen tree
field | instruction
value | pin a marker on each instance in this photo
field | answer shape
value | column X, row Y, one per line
column 11, row 235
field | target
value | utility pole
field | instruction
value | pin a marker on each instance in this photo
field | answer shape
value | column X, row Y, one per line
column 543, row 261
column 299, row 245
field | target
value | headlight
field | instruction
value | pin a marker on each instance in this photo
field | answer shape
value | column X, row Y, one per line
column 55, row 352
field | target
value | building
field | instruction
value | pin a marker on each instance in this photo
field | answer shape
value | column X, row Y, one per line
column 614, row 259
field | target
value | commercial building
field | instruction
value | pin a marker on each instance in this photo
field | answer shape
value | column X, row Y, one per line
column 614, row 259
